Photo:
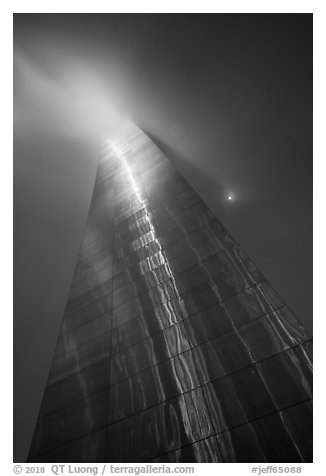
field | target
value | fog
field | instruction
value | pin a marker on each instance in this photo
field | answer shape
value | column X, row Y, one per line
column 228, row 97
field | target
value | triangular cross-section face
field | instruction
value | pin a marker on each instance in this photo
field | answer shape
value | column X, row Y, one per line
column 173, row 347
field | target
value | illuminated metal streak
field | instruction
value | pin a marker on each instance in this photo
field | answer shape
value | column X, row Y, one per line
column 162, row 260
column 72, row 348
column 215, row 289
column 88, row 416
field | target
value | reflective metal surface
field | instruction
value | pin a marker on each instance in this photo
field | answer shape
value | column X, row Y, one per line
column 173, row 347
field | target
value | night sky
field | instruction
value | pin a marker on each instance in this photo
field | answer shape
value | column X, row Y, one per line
column 228, row 97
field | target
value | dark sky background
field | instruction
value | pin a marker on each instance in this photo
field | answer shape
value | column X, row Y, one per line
column 228, row 96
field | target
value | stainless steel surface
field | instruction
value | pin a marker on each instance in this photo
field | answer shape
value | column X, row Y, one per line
column 173, row 346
